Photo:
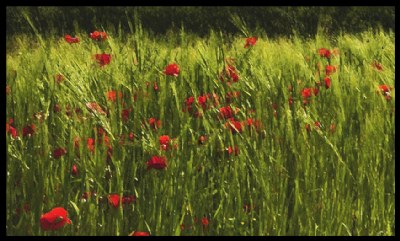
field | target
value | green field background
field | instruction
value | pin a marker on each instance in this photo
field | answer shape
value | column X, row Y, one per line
column 297, row 182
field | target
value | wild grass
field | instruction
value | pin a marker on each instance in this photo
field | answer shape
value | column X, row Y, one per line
column 320, row 182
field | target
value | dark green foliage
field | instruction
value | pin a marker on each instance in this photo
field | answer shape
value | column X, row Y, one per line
column 275, row 21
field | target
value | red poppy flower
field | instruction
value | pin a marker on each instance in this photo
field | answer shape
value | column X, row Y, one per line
column 317, row 125
column 94, row 107
column 106, row 141
column 59, row 152
column 10, row 129
column 306, row 92
column 128, row 199
column 155, row 86
column 189, row 101
column 71, row 40
column 90, row 144
column 385, row 90
column 202, row 101
column 235, row 126
column 377, row 66
column 131, row 136
column 112, row 95
column 315, row 90
column 252, row 122
column 74, row 170
column 138, row 233
column 96, row 35
column 232, row 73
column 103, row 59
column 323, row 52
column 234, row 150
column 332, row 128
column 157, row 162
column 28, row 130
column 204, row 222
column 59, row 78
column 13, row 132
column 113, row 200
column 164, row 140
column 202, row 139
column 103, row 138
column 172, row 69
column 125, row 114
column 327, row 82
column 55, row 219
column 155, row 124
column 226, row 112
column 329, row 69
column 308, row 128
column 250, row 41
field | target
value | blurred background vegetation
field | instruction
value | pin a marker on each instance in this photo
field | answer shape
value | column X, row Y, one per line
column 275, row 21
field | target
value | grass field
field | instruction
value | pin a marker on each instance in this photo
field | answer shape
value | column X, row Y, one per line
column 271, row 170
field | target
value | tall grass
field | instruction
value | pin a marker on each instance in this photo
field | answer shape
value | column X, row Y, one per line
column 296, row 182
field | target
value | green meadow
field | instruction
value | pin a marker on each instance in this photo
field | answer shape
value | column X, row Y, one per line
column 289, row 164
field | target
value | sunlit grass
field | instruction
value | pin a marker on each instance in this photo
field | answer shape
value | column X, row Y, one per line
column 296, row 182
